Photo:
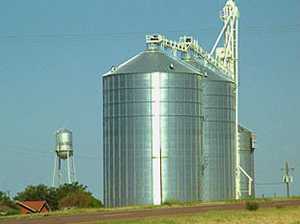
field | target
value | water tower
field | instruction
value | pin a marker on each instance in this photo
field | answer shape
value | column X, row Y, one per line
column 64, row 167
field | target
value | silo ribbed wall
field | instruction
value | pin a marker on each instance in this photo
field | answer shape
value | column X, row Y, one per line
column 219, row 134
column 181, row 135
column 127, row 140
column 219, row 138
column 153, row 118
column 246, row 161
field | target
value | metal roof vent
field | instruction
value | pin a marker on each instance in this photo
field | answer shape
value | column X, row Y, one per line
column 113, row 68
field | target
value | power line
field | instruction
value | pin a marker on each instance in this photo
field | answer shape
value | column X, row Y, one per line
column 245, row 29
column 270, row 183
column 45, row 154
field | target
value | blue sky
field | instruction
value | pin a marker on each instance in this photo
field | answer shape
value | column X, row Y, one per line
column 52, row 53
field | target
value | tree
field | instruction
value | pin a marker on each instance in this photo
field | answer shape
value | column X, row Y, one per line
column 67, row 195
column 39, row 192
column 66, row 189
column 79, row 200
column 7, row 206
column 4, row 198
column 76, row 195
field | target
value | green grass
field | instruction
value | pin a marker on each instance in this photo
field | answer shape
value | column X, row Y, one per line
column 285, row 215
column 71, row 212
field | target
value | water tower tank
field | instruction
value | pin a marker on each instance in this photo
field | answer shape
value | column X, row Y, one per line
column 64, row 145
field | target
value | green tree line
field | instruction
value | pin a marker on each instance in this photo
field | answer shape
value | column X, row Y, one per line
column 73, row 195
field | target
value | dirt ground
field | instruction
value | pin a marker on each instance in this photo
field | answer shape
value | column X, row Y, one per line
column 139, row 214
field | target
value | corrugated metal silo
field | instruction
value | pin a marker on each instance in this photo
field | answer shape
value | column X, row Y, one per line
column 219, row 134
column 219, row 138
column 152, row 131
column 246, row 147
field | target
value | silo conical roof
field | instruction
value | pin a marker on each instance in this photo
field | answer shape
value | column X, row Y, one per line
column 209, row 74
column 153, row 61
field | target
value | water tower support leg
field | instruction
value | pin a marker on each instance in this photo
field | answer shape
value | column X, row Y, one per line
column 54, row 171
column 69, row 170
column 73, row 170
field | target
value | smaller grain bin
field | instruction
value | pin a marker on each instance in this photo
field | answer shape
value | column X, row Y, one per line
column 246, row 148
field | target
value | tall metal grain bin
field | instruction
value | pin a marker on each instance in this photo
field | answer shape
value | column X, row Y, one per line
column 247, row 147
column 152, row 117
column 219, row 137
column 219, row 134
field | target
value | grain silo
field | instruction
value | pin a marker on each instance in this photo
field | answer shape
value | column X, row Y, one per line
column 219, row 132
column 152, row 131
column 247, row 146
column 170, row 120
column 220, row 97
column 219, row 138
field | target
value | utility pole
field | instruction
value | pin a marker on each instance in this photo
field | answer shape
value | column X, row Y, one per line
column 287, row 178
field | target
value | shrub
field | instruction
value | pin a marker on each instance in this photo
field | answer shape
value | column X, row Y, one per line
column 63, row 190
column 13, row 211
column 79, row 199
column 252, row 205
column 168, row 203
column 172, row 202
column 7, row 206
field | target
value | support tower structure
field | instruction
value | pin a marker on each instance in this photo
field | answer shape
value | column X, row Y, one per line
column 223, row 58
